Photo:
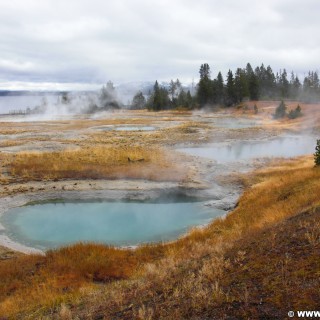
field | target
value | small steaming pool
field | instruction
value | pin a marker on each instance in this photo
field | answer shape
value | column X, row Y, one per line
column 285, row 146
column 51, row 225
column 230, row 123
column 135, row 128
column 124, row 128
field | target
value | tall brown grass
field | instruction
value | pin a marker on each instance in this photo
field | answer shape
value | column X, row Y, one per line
column 97, row 162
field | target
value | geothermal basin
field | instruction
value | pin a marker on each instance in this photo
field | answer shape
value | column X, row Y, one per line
column 219, row 146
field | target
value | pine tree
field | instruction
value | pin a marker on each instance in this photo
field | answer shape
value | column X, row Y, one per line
column 253, row 83
column 138, row 101
column 296, row 86
column 284, row 84
column 270, row 83
column 204, row 71
column 317, row 154
column 189, row 100
column 184, row 99
column 219, row 89
column 230, row 89
column 280, row 111
column 159, row 99
column 240, row 85
column 295, row 113
column 156, row 103
column 205, row 90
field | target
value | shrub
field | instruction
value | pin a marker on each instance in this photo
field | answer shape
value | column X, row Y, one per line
column 295, row 113
column 317, row 154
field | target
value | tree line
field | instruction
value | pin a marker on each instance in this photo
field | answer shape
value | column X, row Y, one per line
column 246, row 83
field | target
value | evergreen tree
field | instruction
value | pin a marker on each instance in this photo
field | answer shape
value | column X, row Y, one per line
column 270, row 83
column 261, row 75
column 219, row 88
column 214, row 90
column 230, row 89
column 240, row 85
column 183, row 100
column 159, row 99
column 253, row 85
column 295, row 113
column 156, row 103
column 280, row 111
column 204, row 71
column 292, row 90
column 252, row 82
column 189, row 100
column 138, row 101
column 296, row 87
column 284, row 84
column 249, row 69
column 307, row 83
column 317, row 154
column 205, row 90
column 311, row 87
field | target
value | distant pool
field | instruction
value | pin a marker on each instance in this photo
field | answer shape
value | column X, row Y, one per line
column 285, row 146
column 52, row 225
column 231, row 123
column 124, row 128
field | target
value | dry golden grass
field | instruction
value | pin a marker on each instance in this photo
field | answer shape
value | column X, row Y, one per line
column 188, row 278
column 5, row 160
column 9, row 131
column 98, row 162
column 10, row 143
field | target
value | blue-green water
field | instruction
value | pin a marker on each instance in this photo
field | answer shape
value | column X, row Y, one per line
column 286, row 146
column 117, row 223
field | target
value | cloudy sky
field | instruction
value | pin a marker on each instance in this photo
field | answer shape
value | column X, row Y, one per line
column 73, row 44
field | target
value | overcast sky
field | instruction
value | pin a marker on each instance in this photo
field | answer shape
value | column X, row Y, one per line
column 83, row 43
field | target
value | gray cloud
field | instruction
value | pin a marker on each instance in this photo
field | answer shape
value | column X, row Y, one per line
column 82, row 41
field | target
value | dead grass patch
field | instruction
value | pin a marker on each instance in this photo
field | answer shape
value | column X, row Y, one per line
column 10, row 143
column 98, row 162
